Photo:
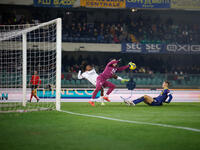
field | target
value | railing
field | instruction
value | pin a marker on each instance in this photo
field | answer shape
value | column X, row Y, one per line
column 70, row 80
column 142, row 80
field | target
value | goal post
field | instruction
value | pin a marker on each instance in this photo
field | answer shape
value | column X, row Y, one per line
column 24, row 74
column 26, row 50
column 58, row 62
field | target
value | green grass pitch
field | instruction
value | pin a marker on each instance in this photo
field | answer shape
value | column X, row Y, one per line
column 53, row 130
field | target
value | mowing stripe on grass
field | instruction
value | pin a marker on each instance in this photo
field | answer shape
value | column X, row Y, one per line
column 133, row 122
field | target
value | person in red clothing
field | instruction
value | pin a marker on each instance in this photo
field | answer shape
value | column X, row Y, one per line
column 35, row 83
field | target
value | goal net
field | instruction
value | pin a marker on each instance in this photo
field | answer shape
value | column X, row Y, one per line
column 30, row 66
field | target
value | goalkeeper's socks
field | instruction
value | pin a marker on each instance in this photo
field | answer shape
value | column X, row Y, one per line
column 36, row 97
column 139, row 100
column 31, row 97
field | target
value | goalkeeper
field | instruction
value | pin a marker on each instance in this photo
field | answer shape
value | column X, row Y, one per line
column 91, row 75
column 108, row 73
column 35, row 83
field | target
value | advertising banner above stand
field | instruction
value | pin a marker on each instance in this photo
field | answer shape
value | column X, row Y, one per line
column 54, row 3
column 148, row 3
column 160, row 48
column 186, row 4
column 103, row 3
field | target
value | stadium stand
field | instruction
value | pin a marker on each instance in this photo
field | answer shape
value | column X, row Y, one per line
column 135, row 28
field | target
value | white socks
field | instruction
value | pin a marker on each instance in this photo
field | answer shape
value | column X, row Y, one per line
column 92, row 100
column 106, row 95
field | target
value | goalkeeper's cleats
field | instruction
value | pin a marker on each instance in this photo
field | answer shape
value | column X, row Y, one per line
column 106, row 98
column 91, row 103
column 124, row 80
column 129, row 103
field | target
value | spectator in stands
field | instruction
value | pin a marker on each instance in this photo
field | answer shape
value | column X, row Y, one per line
column 138, row 28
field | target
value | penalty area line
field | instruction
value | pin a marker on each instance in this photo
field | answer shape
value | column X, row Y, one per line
column 133, row 122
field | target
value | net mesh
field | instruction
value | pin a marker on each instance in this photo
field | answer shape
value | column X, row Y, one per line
column 41, row 60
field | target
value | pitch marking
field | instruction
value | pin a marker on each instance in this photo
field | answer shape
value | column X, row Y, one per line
column 133, row 122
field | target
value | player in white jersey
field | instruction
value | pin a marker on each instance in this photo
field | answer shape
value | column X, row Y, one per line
column 91, row 75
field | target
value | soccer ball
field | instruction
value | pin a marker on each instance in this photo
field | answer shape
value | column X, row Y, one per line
column 132, row 66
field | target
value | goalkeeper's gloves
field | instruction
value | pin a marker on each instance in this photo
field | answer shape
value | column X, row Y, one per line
column 124, row 80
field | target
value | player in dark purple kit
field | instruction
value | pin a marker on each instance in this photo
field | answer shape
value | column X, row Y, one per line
column 108, row 73
column 165, row 96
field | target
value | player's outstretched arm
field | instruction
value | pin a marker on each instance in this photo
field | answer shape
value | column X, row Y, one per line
column 122, row 68
column 168, row 100
column 79, row 75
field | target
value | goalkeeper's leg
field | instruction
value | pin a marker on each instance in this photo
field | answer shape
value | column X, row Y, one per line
column 101, row 98
column 111, row 88
column 102, row 92
column 98, row 88
column 35, row 94
column 32, row 93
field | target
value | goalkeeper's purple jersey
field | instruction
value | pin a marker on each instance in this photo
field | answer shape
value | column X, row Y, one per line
column 109, row 71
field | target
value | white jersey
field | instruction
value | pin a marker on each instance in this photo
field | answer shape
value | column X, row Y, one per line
column 91, row 76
